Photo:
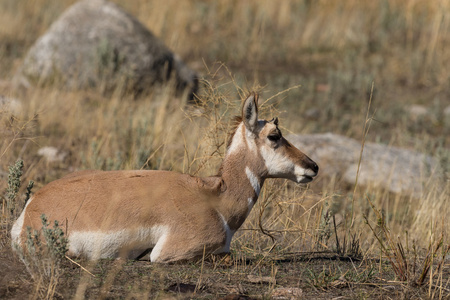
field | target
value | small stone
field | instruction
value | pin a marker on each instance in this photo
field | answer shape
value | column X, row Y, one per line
column 52, row 154
column 312, row 113
column 447, row 111
column 417, row 111
column 10, row 104
column 287, row 293
column 261, row 279
column 322, row 87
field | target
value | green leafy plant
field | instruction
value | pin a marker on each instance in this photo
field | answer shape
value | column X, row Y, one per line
column 11, row 204
column 14, row 176
column 44, row 254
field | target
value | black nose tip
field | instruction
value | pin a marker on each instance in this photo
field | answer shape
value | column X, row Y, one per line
column 315, row 167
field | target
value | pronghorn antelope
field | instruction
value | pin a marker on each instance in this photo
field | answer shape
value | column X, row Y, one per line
column 109, row 214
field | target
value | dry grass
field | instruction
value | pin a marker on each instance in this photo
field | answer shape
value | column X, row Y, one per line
column 300, row 55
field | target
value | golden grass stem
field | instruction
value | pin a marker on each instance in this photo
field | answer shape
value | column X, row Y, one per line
column 82, row 268
column 366, row 128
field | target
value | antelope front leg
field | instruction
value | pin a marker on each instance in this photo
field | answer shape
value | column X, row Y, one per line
column 175, row 247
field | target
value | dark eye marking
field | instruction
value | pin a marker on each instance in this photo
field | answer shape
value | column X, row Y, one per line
column 274, row 137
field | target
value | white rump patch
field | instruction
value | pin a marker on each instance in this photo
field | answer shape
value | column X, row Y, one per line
column 18, row 226
column 98, row 244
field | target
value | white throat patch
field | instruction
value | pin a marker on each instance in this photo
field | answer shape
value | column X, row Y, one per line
column 253, row 181
column 256, row 187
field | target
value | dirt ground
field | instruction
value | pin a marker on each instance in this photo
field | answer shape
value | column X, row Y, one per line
column 293, row 276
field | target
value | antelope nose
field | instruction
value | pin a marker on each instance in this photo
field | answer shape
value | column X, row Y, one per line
column 313, row 167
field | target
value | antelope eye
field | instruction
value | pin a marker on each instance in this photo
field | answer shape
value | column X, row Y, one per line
column 274, row 138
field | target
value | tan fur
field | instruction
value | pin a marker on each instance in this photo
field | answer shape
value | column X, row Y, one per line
column 193, row 209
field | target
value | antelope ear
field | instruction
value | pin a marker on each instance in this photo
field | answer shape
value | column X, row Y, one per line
column 274, row 121
column 250, row 112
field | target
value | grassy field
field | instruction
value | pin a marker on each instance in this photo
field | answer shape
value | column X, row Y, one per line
column 316, row 65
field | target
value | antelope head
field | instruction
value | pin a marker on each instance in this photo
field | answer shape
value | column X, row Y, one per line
column 281, row 159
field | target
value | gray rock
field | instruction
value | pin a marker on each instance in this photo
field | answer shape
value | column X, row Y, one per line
column 397, row 170
column 96, row 43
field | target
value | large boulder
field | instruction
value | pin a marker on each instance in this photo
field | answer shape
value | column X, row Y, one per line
column 95, row 43
column 397, row 170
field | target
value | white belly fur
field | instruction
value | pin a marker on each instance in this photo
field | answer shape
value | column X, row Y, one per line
column 98, row 244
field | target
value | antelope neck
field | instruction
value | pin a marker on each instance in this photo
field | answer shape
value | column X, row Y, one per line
column 244, row 180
